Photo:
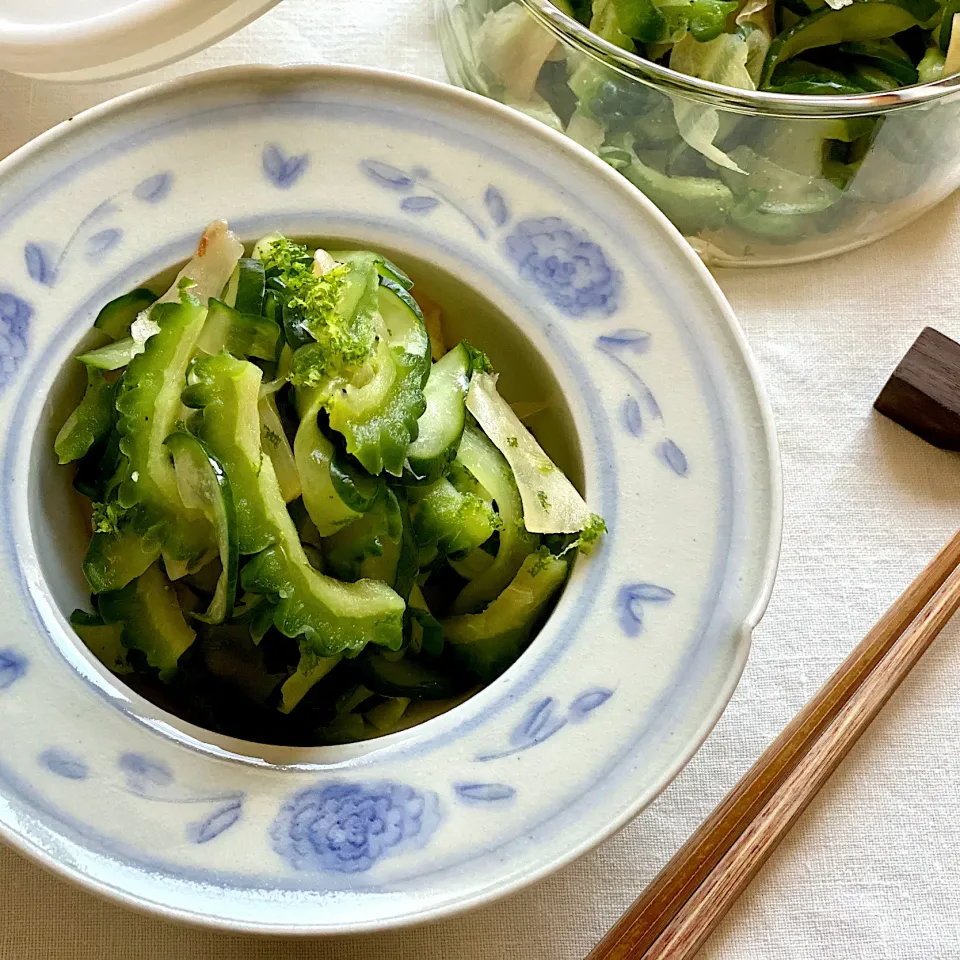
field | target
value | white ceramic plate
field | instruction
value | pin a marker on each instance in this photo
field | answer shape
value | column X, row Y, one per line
column 71, row 41
column 650, row 637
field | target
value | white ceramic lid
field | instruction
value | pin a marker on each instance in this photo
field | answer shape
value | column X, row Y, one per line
column 81, row 40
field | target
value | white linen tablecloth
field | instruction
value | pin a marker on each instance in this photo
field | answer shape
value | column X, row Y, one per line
column 873, row 869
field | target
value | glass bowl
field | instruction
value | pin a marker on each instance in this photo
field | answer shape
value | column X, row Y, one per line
column 756, row 178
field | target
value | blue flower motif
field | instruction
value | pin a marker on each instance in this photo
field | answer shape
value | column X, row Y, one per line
column 569, row 268
column 673, row 457
column 388, row 175
column 12, row 667
column 419, row 204
column 347, row 827
column 64, row 764
column 587, row 702
column 281, row 169
column 631, row 417
column 15, row 317
column 630, row 600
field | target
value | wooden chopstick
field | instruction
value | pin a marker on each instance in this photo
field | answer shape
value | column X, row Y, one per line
column 687, row 899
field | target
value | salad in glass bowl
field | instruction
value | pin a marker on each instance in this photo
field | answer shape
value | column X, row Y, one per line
column 307, row 512
column 766, row 130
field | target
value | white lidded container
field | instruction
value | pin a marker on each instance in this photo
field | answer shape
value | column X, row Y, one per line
column 83, row 40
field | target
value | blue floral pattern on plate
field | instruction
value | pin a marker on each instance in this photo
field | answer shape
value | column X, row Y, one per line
column 640, row 413
column 348, row 827
column 12, row 667
column 64, row 764
column 15, row 314
column 571, row 270
column 45, row 261
column 483, row 793
column 544, row 719
column 282, row 169
column 630, row 600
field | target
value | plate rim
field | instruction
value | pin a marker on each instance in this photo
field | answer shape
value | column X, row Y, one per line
column 771, row 547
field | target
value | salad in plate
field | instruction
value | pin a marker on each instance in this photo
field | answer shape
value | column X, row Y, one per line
column 312, row 520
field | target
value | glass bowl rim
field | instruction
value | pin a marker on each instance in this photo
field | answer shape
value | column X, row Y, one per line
column 572, row 32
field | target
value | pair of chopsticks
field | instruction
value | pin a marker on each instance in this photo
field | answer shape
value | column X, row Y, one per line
column 687, row 900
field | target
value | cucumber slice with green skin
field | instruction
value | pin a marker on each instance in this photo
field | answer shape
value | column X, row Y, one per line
column 859, row 21
column 692, row 203
column 488, row 465
column 273, row 440
column 485, row 644
column 226, row 390
column 387, row 715
column 90, row 422
column 113, row 560
column 251, row 287
column 950, row 9
column 98, row 467
column 452, row 521
column 334, row 497
column 103, row 640
column 379, row 419
column 407, row 677
column 203, row 485
column 872, row 78
column 151, row 618
column 441, row 426
column 885, row 54
column 229, row 653
column 332, row 618
column 242, row 334
column 113, row 356
column 149, row 408
column 117, row 316
column 370, row 537
column 310, row 671
column 386, row 268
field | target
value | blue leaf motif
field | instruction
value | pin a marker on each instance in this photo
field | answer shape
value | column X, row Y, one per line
column 143, row 773
column 15, row 317
column 538, row 724
column 64, row 764
column 102, row 242
column 387, row 175
column 220, row 820
column 631, row 416
column 626, row 340
column 283, row 170
column 587, row 702
column 12, row 667
column 155, row 188
column 419, row 204
column 496, row 206
column 484, row 792
column 630, row 600
column 673, row 457
column 420, row 173
column 40, row 265
column 348, row 827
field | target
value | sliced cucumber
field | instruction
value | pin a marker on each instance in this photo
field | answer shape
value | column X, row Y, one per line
column 374, row 536
column 117, row 316
column 273, row 440
column 452, row 521
column 885, row 54
column 204, row 486
column 114, row 559
column 247, row 287
column 103, row 640
column 310, row 671
column 241, row 334
column 861, row 20
column 113, row 356
column 90, row 422
column 407, row 677
column 485, row 462
column 487, row 643
column 441, row 426
column 151, row 618
column 332, row 501
column 385, row 267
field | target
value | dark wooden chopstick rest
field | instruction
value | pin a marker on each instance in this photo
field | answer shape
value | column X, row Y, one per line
column 923, row 394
